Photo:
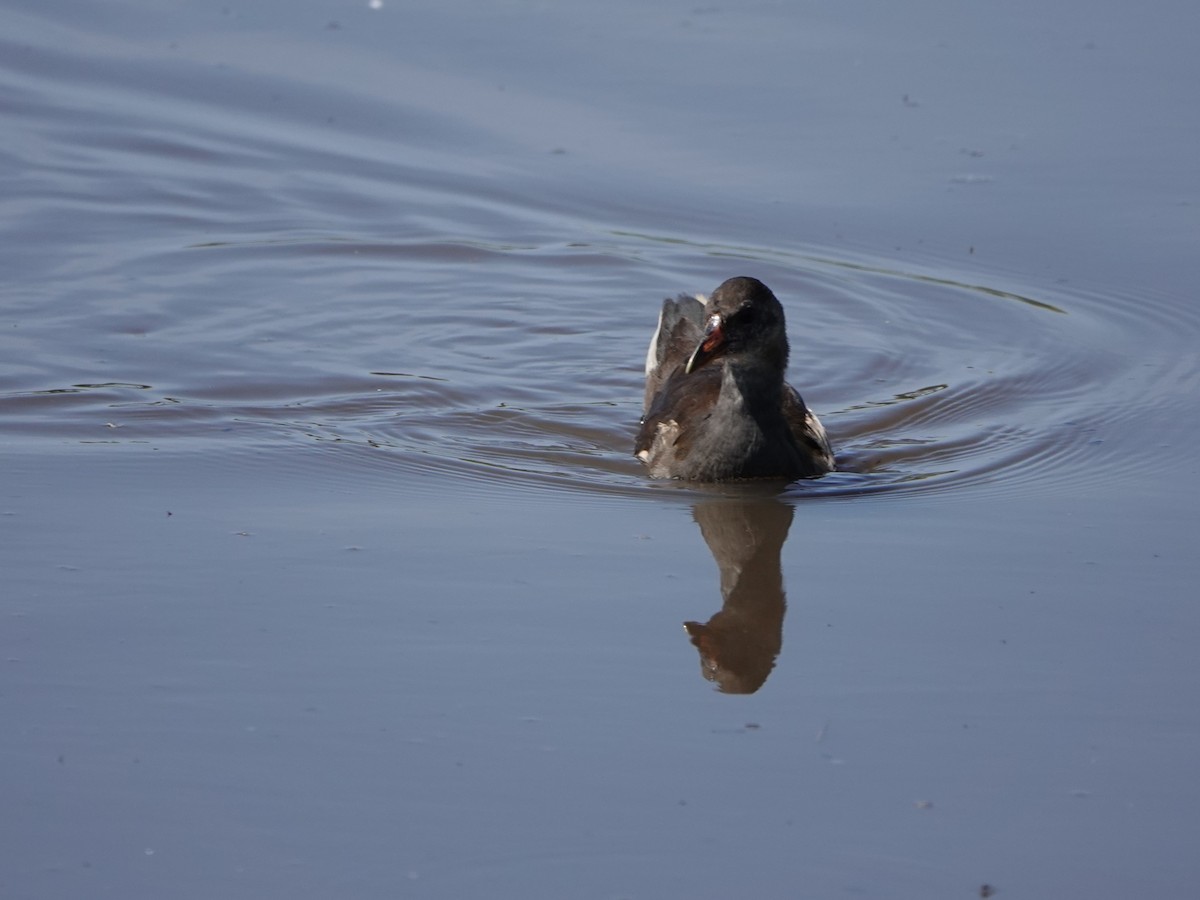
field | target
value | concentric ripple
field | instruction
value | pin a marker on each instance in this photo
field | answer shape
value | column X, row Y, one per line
column 925, row 384
column 437, row 326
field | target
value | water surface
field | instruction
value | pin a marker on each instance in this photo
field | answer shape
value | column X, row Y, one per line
column 329, row 570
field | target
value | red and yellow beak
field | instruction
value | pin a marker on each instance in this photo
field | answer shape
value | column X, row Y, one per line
column 710, row 346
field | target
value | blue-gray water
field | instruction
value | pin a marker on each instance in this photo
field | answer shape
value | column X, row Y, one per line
column 327, row 568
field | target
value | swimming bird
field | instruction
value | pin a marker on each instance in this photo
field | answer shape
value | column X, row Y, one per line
column 717, row 407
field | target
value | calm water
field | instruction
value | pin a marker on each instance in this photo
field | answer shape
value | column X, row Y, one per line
column 328, row 570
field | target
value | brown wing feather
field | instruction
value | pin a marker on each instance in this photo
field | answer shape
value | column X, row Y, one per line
column 805, row 427
column 683, row 407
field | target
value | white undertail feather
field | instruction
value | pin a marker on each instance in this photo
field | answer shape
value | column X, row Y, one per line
column 652, row 352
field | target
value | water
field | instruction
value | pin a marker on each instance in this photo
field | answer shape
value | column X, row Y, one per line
column 328, row 567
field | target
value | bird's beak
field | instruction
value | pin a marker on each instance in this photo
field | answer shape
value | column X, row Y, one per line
column 709, row 347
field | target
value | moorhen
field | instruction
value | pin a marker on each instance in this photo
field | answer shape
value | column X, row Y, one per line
column 717, row 407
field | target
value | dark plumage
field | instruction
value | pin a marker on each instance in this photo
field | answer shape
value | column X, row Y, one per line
column 717, row 407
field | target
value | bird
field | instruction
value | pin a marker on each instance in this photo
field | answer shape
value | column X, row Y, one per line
column 717, row 407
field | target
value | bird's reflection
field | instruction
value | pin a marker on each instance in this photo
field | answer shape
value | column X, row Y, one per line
column 739, row 644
